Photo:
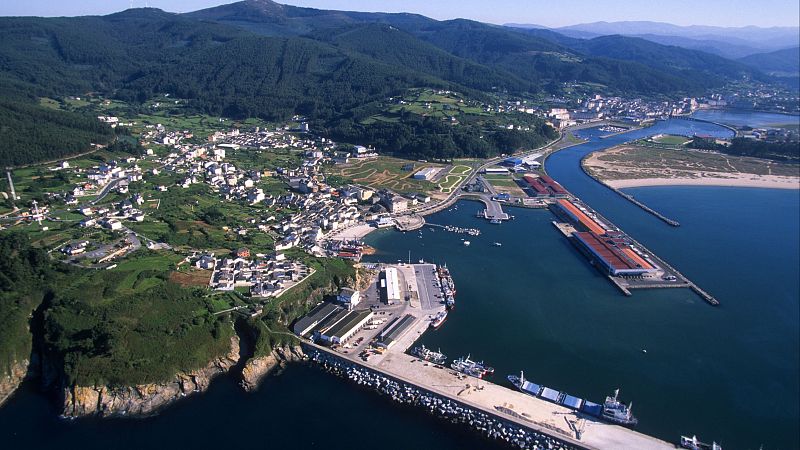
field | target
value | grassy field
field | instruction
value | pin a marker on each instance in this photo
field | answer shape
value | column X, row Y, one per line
column 385, row 172
column 430, row 103
column 669, row 139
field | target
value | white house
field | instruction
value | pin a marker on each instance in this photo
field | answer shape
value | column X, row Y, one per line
column 349, row 297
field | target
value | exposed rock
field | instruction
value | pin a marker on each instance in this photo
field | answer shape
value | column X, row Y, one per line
column 10, row 381
column 145, row 399
column 257, row 368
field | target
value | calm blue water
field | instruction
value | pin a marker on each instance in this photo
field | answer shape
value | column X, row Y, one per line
column 728, row 373
column 749, row 118
column 302, row 408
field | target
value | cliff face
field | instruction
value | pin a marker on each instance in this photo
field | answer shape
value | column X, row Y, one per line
column 144, row 399
column 257, row 368
column 9, row 382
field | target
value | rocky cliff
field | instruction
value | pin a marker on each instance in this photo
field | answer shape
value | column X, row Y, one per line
column 257, row 368
column 145, row 399
column 10, row 381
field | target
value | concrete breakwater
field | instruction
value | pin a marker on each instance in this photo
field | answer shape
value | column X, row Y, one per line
column 628, row 197
column 488, row 425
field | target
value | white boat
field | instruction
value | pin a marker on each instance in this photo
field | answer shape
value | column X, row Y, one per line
column 466, row 243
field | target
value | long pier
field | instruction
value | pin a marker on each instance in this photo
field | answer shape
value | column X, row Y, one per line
column 499, row 413
column 630, row 198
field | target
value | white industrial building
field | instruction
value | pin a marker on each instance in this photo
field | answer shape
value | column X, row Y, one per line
column 426, row 173
column 390, row 285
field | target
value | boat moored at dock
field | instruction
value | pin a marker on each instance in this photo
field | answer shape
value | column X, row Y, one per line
column 472, row 368
column 447, row 286
column 612, row 410
column 429, row 355
column 692, row 443
column 438, row 319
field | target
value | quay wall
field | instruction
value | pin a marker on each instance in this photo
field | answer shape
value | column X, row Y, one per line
column 490, row 425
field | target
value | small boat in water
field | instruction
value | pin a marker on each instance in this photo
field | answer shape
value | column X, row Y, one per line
column 693, row 444
column 466, row 243
column 498, row 244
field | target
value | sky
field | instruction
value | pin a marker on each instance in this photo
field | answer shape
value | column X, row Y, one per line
column 726, row 13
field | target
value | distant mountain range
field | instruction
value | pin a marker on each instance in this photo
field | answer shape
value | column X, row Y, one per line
column 733, row 42
column 784, row 62
column 260, row 58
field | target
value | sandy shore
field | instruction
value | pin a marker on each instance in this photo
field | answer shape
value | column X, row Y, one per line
column 740, row 180
column 356, row 232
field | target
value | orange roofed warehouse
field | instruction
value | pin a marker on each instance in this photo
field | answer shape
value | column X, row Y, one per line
column 606, row 247
column 617, row 261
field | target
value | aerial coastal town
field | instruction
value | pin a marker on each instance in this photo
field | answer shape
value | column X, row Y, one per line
column 288, row 189
column 438, row 225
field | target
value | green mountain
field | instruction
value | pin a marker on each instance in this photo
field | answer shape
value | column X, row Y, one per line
column 260, row 58
column 700, row 67
column 784, row 62
column 273, row 19
column 391, row 45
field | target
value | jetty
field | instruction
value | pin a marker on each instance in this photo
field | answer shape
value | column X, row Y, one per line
column 495, row 411
column 454, row 229
column 630, row 198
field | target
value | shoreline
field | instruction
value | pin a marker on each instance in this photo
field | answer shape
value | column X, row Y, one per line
column 770, row 183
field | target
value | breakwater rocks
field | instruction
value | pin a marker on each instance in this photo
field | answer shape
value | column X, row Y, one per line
column 490, row 426
column 10, row 380
column 257, row 368
column 144, row 399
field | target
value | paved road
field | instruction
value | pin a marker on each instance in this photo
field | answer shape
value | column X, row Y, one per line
column 106, row 189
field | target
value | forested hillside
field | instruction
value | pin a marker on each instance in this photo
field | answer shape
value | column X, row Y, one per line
column 31, row 133
column 23, row 275
column 261, row 59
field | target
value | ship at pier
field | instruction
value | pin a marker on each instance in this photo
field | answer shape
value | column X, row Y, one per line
column 472, row 368
column 447, row 285
column 429, row 355
column 612, row 410
column 692, row 443
column 438, row 319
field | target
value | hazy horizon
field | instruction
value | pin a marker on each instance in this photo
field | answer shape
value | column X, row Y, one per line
column 716, row 13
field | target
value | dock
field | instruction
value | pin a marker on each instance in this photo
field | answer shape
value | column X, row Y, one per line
column 635, row 267
column 489, row 408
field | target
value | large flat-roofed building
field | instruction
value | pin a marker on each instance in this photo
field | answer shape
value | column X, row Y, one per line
column 579, row 217
column 343, row 326
column 426, row 174
column 393, row 331
column 615, row 260
column 390, row 285
column 307, row 323
column 495, row 170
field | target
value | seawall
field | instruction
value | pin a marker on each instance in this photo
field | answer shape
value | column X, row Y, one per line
column 491, row 426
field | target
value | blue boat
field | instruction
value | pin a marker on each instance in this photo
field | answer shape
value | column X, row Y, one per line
column 612, row 410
